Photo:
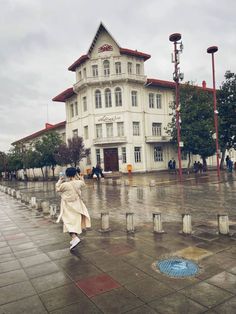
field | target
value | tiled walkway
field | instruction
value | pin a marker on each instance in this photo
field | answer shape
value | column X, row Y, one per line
column 108, row 273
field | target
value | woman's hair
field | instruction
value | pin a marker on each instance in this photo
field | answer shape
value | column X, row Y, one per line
column 71, row 172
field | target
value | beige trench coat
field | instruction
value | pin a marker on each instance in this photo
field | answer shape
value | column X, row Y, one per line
column 74, row 213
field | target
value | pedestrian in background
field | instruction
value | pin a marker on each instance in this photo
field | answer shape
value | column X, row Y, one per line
column 74, row 213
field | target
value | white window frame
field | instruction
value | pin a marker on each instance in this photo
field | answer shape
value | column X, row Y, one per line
column 118, row 97
column 98, row 99
column 137, row 154
column 134, row 98
column 72, row 113
column 106, row 67
column 98, row 155
column 158, row 153
column 108, row 100
column 136, row 128
column 124, row 156
column 156, row 129
column 85, row 103
column 159, row 101
column 118, row 68
column 99, row 130
column 138, row 68
column 75, row 133
column 109, row 129
column 151, row 100
column 120, row 128
column 130, row 67
column 86, row 135
column 95, row 70
column 76, row 108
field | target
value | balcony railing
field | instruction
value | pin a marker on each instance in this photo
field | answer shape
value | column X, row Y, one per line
column 111, row 78
column 110, row 140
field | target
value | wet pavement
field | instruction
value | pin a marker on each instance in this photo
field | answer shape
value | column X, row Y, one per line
column 116, row 272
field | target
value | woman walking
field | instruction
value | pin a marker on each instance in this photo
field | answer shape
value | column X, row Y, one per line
column 74, row 213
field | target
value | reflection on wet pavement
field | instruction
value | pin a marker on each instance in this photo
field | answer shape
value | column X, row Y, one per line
column 201, row 196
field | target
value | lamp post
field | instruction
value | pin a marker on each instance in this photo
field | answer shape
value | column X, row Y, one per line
column 212, row 50
column 177, row 76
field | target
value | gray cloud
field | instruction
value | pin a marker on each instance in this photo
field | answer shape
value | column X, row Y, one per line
column 40, row 39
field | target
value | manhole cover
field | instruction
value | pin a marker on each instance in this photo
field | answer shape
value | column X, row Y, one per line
column 177, row 267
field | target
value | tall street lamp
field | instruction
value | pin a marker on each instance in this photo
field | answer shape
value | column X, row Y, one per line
column 212, row 50
column 177, row 76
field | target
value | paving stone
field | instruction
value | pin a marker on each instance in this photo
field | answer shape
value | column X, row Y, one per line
column 83, row 306
column 30, row 305
column 7, row 257
column 34, row 260
column 228, row 307
column 12, row 277
column 23, row 246
column 61, row 297
column 127, row 274
column 148, row 289
column 41, row 269
column 95, row 285
column 224, row 280
column 50, row 281
column 117, row 301
column 144, row 309
column 8, row 266
column 177, row 304
column 206, row 294
column 16, row 291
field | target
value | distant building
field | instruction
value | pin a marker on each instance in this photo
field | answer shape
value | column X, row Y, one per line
column 27, row 142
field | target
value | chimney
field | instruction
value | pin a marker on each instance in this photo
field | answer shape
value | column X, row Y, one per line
column 204, row 84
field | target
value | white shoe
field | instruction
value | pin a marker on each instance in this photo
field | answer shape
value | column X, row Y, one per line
column 74, row 242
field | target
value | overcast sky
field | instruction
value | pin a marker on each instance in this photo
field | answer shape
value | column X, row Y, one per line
column 40, row 39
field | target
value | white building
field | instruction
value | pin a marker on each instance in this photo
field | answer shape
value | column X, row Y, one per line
column 120, row 113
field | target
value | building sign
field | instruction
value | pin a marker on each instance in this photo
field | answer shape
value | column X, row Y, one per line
column 105, row 47
column 108, row 119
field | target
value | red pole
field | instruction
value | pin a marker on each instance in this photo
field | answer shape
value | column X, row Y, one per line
column 212, row 50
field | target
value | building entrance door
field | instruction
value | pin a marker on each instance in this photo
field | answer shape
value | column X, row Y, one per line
column 111, row 159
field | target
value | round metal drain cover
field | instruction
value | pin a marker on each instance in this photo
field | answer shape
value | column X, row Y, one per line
column 177, row 267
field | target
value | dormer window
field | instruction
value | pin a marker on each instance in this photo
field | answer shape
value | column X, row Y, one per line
column 106, row 67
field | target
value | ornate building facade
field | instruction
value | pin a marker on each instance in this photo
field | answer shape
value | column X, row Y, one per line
column 121, row 114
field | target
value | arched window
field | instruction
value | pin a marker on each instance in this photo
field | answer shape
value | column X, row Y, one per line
column 108, row 98
column 118, row 96
column 98, row 99
column 106, row 67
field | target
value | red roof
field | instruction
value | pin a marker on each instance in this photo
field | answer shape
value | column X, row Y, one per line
column 46, row 129
column 78, row 62
column 161, row 83
column 62, row 97
column 124, row 51
column 135, row 53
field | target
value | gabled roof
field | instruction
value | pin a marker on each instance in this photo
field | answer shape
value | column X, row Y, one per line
column 101, row 28
column 125, row 51
column 48, row 127
column 66, row 94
